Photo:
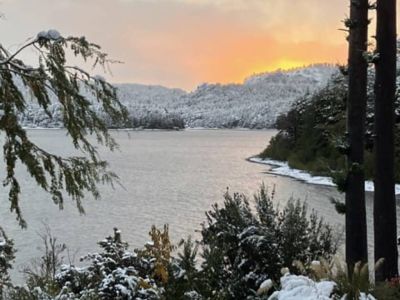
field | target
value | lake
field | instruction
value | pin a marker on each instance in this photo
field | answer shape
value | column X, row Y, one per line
column 168, row 177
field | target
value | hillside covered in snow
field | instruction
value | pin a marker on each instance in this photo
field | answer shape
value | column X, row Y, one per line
column 253, row 104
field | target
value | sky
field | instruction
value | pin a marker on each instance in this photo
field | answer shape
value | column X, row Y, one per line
column 183, row 43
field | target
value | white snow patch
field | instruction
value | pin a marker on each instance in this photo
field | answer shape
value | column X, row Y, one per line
column 363, row 296
column 285, row 271
column 315, row 263
column 52, row 34
column 303, row 288
column 99, row 78
column 265, row 286
column 42, row 35
column 282, row 168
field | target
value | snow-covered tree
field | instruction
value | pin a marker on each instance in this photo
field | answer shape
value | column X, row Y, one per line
column 113, row 273
column 185, row 280
column 242, row 249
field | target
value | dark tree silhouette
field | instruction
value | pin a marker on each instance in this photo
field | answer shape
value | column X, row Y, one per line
column 356, row 227
column 385, row 92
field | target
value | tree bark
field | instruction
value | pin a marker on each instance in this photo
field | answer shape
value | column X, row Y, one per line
column 356, row 226
column 385, row 224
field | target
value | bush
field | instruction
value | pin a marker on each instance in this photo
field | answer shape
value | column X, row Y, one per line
column 242, row 249
column 114, row 273
column 185, row 281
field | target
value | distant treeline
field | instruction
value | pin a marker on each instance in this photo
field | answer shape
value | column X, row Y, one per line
column 149, row 120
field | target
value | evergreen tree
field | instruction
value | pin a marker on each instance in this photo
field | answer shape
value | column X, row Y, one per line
column 77, row 91
column 185, row 281
column 242, row 249
column 385, row 223
column 356, row 224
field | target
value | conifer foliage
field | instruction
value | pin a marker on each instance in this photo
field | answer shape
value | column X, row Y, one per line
column 78, row 92
column 6, row 257
column 242, row 249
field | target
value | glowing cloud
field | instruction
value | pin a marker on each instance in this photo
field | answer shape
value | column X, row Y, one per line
column 185, row 42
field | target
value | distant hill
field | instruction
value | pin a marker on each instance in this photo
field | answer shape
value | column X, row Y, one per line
column 253, row 104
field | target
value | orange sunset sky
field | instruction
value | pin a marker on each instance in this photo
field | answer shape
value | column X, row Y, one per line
column 182, row 43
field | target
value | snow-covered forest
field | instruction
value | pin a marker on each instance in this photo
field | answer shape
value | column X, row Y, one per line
column 254, row 104
column 311, row 132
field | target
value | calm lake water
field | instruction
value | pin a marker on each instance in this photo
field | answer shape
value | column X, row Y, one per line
column 168, row 177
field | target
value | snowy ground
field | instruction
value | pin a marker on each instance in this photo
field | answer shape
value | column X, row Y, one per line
column 282, row 168
column 303, row 288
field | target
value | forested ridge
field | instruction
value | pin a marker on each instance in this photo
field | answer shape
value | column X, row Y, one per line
column 255, row 104
column 312, row 133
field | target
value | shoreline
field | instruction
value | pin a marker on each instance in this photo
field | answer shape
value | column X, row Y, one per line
column 160, row 129
column 281, row 168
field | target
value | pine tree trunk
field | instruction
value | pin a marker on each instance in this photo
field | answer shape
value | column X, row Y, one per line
column 356, row 226
column 385, row 224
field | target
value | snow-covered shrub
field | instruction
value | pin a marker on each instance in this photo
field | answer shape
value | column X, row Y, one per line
column 185, row 278
column 6, row 257
column 295, row 287
column 305, row 237
column 114, row 273
column 354, row 286
column 242, row 248
column 300, row 287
